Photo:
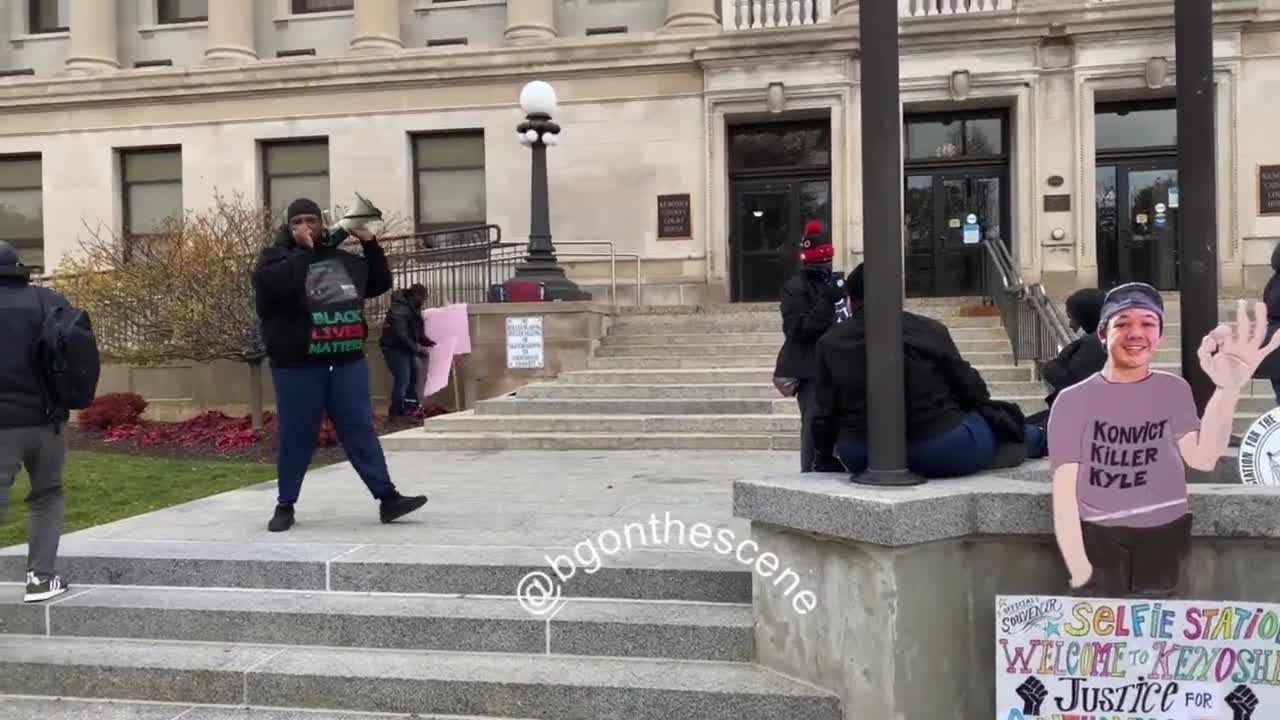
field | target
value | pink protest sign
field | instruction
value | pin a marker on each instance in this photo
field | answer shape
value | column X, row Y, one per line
column 449, row 330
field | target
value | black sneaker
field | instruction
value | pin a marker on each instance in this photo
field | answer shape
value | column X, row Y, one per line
column 397, row 506
column 39, row 590
column 282, row 520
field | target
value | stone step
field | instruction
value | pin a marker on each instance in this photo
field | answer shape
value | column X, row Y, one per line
column 913, row 304
column 420, row 440
column 637, row 574
column 966, row 347
column 13, row 707
column 618, row 424
column 774, row 339
column 981, row 360
column 584, row 421
column 647, row 407
column 682, row 631
column 710, row 391
column 488, row 684
column 758, row 323
column 726, row 391
column 764, row 374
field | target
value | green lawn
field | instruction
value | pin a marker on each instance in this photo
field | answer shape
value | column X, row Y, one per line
column 104, row 487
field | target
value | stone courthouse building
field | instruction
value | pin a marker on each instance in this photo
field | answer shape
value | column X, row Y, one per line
column 1051, row 121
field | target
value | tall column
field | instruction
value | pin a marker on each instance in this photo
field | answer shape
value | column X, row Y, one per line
column 377, row 27
column 691, row 15
column 93, row 37
column 531, row 20
column 231, row 38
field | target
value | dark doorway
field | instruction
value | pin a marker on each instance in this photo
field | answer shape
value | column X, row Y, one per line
column 956, row 196
column 780, row 178
column 1137, row 194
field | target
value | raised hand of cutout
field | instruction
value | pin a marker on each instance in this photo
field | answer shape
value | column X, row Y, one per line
column 1230, row 358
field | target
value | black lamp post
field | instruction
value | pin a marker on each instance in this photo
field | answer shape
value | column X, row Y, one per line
column 882, row 246
column 1198, row 181
column 538, row 101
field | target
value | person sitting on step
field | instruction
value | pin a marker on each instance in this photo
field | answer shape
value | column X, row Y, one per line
column 1080, row 359
column 954, row 427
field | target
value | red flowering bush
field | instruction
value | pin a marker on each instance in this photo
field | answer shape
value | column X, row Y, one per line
column 114, row 410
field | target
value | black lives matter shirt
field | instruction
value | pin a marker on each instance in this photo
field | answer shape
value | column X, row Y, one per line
column 323, row 324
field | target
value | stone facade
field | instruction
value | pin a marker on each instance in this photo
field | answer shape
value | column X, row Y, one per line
column 648, row 91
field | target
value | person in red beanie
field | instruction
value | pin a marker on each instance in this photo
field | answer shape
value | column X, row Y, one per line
column 809, row 301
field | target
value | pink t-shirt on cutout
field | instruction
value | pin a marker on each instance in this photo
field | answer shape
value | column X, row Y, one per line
column 1124, row 437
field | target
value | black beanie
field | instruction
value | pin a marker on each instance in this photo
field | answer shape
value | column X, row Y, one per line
column 303, row 206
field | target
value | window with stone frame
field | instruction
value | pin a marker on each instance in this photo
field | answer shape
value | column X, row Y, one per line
column 22, row 207
column 302, row 7
column 151, row 194
column 48, row 16
column 181, row 11
column 449, row 180
column 295, row 169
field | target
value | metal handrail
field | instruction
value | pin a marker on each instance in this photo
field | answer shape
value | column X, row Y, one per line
column 1034, row 294
column 613, row 264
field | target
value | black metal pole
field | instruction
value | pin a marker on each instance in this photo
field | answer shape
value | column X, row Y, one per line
column 1197, row 184
column 541, row 251
column 540, row 264
column 882, row 245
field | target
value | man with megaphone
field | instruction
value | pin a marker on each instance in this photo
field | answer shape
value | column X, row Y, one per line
column 310, row 298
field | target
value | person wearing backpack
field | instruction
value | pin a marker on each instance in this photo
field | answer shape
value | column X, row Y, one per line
column 51, row 368
column 310, row 298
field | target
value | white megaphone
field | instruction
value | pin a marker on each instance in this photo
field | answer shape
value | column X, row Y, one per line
column 362, row 214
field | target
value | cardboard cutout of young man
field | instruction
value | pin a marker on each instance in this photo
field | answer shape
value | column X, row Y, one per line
column 1118, row 440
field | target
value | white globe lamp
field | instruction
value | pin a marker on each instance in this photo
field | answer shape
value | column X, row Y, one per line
column 538, row 98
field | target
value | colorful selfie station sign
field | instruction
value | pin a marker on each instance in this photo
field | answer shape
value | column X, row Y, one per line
column 1070, row 658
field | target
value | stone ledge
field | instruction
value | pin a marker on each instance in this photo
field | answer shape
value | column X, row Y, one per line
column 828, row 504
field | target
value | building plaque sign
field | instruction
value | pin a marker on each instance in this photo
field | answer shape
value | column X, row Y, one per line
column 1269, row 190
column 674, row 216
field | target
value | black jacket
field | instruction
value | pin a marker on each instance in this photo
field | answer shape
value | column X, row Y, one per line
column 403, row 329
column 941, row 387
column 311, row 303
column 808, row 311
column 22, row 401
column 1076, row 363
column 1270, row 365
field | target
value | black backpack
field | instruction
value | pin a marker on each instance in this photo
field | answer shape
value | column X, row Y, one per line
column 69, row 358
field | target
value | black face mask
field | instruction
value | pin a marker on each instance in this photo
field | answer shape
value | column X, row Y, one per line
column 819, row 269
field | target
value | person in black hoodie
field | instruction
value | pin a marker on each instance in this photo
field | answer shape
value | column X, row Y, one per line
column 1083, row 357
column 310, row 298
column 29, row 430
column 1270, row 366
column 404, row 343
column 808, row 307
column 953, row 425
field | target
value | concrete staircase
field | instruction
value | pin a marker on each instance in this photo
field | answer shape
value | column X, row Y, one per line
column 698, row 377
column 207, row 628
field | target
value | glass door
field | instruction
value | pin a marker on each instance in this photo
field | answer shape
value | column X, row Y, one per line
column 1137, row 224
column 768, row 219
column 947, row 216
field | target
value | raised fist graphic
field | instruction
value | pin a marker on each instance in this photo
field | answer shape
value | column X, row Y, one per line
column 1242, row 702
column 1033, row 693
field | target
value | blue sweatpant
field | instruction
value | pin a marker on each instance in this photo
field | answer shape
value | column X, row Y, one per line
column 966, row 449
column 303, row 397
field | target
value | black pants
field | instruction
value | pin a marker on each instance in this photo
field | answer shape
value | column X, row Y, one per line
column 805, row 397
column 1136, row 562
